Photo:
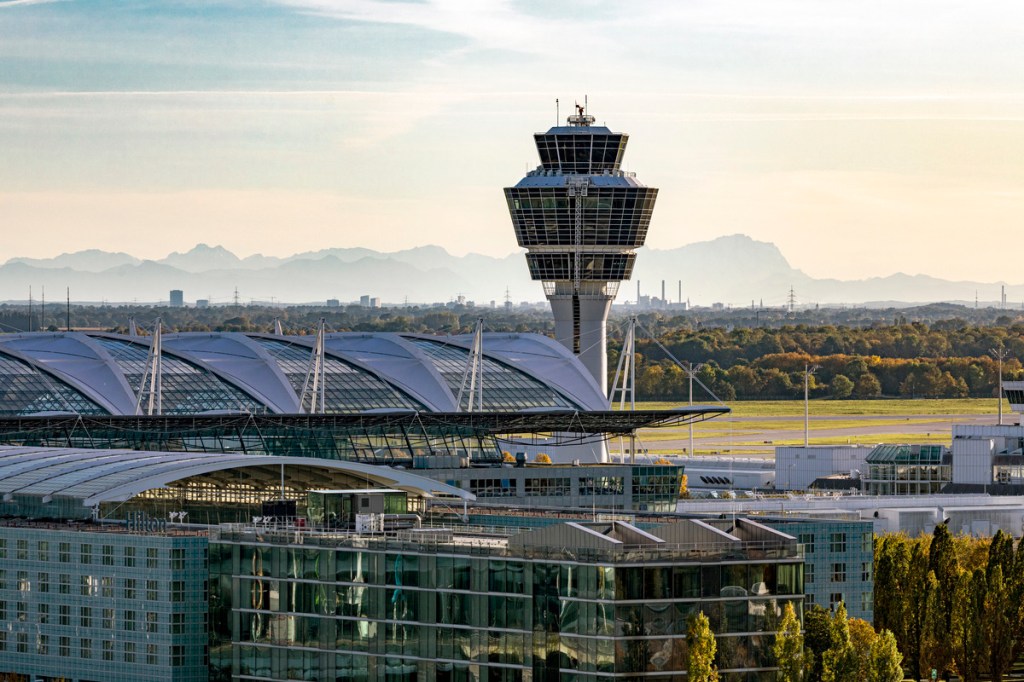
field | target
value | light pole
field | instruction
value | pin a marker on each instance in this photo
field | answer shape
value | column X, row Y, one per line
column 999, row 354
column 691, row 369
column 808, row 371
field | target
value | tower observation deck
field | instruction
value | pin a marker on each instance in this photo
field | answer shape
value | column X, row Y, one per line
column 581, row 218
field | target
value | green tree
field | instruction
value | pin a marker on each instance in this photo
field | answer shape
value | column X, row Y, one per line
column 862, row 636
column 967, row 639
column 840, row 387
column 700, row 663
column 1000, row 622
column 942, row 561
column 817, row 639
column 794, row 660
column 885, row 659
column 867, row 386
column 839, row 662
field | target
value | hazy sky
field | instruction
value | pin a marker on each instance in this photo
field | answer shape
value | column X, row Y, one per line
column 862, row 138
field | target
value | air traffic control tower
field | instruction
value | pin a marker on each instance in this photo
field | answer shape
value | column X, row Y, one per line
column 581, row 217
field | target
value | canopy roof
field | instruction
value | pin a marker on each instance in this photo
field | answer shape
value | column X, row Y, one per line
column 203, row 373
column 99, row 476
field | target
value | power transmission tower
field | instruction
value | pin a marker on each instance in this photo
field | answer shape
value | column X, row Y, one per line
column 792, row 299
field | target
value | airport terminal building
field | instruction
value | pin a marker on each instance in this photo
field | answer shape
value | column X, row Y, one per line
column 312, row 574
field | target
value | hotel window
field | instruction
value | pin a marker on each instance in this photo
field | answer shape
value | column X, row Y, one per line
column 129, row 557
column 178, row 559
column 64, row 583
column 43, row 582
column 129, row 621
column 85, row 649
column 64, row 646
column 85, row 617
column 807, row 540
column 865, row 571
column 866, row 602
column 839, row 573
column 152, row 560
column 108, row 650
column 835, row 598
column 151, row 654
column 43, row 645
column 808, row 573
column 129, row 652
column 43, row 548
column 64, row 553
column 108, row 619
column 108, row 555
column 151, row 590
column 152, row 622
column 43, row 611
column 64, row 614
column 129, row 588
column 107, row 586
column 867, row 542
column 22, row 642
column 838, row 542
column 85, row 554
column 3, row 548
column 22, row 552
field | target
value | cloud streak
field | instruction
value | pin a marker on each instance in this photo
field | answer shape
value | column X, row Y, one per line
column 15, row 3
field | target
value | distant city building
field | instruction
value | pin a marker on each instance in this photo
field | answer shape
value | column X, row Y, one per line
column 177, row 298
column 202, row 303
column 333, row 303
column 581, row 218
column 364, row 300
column 375, row 302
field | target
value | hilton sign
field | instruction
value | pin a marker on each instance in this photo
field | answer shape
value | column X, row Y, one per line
column 141, row 522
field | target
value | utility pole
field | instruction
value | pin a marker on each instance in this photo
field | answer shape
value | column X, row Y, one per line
column 808, row 371
column 999, row 354
column 691, row 368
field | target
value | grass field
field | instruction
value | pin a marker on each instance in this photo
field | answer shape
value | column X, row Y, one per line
column 756, row 427
column 838, row 408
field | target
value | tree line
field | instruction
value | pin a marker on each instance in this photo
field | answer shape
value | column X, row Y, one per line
column 952, row 603
column 832, row 648
column 946, row 359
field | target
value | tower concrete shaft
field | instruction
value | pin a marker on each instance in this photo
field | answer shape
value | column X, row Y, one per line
column 581, row 219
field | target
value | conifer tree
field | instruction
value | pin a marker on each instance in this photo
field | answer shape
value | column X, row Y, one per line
column 794, row 660
column 839, row 662
column 701, row 652
column 885, row 659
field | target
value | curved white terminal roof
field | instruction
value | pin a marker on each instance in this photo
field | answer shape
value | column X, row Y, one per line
column 227, row 372
column 98, row 476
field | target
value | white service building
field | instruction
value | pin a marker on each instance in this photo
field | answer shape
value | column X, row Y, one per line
column 797, row 467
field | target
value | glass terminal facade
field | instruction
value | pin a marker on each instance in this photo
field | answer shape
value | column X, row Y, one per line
column 432, row 605
column 908, row 470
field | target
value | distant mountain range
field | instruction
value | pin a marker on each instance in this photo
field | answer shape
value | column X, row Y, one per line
column 735, row 270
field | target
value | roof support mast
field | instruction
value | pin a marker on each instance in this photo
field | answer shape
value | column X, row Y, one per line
column 154, row 373
column 315, row 383
column 474, row 371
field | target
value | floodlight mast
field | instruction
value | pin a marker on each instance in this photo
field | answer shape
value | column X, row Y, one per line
column 581, row 218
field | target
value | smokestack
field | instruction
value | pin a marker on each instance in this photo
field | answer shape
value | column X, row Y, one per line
column 680, row 292
column 638, row 292
column 663, row 300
